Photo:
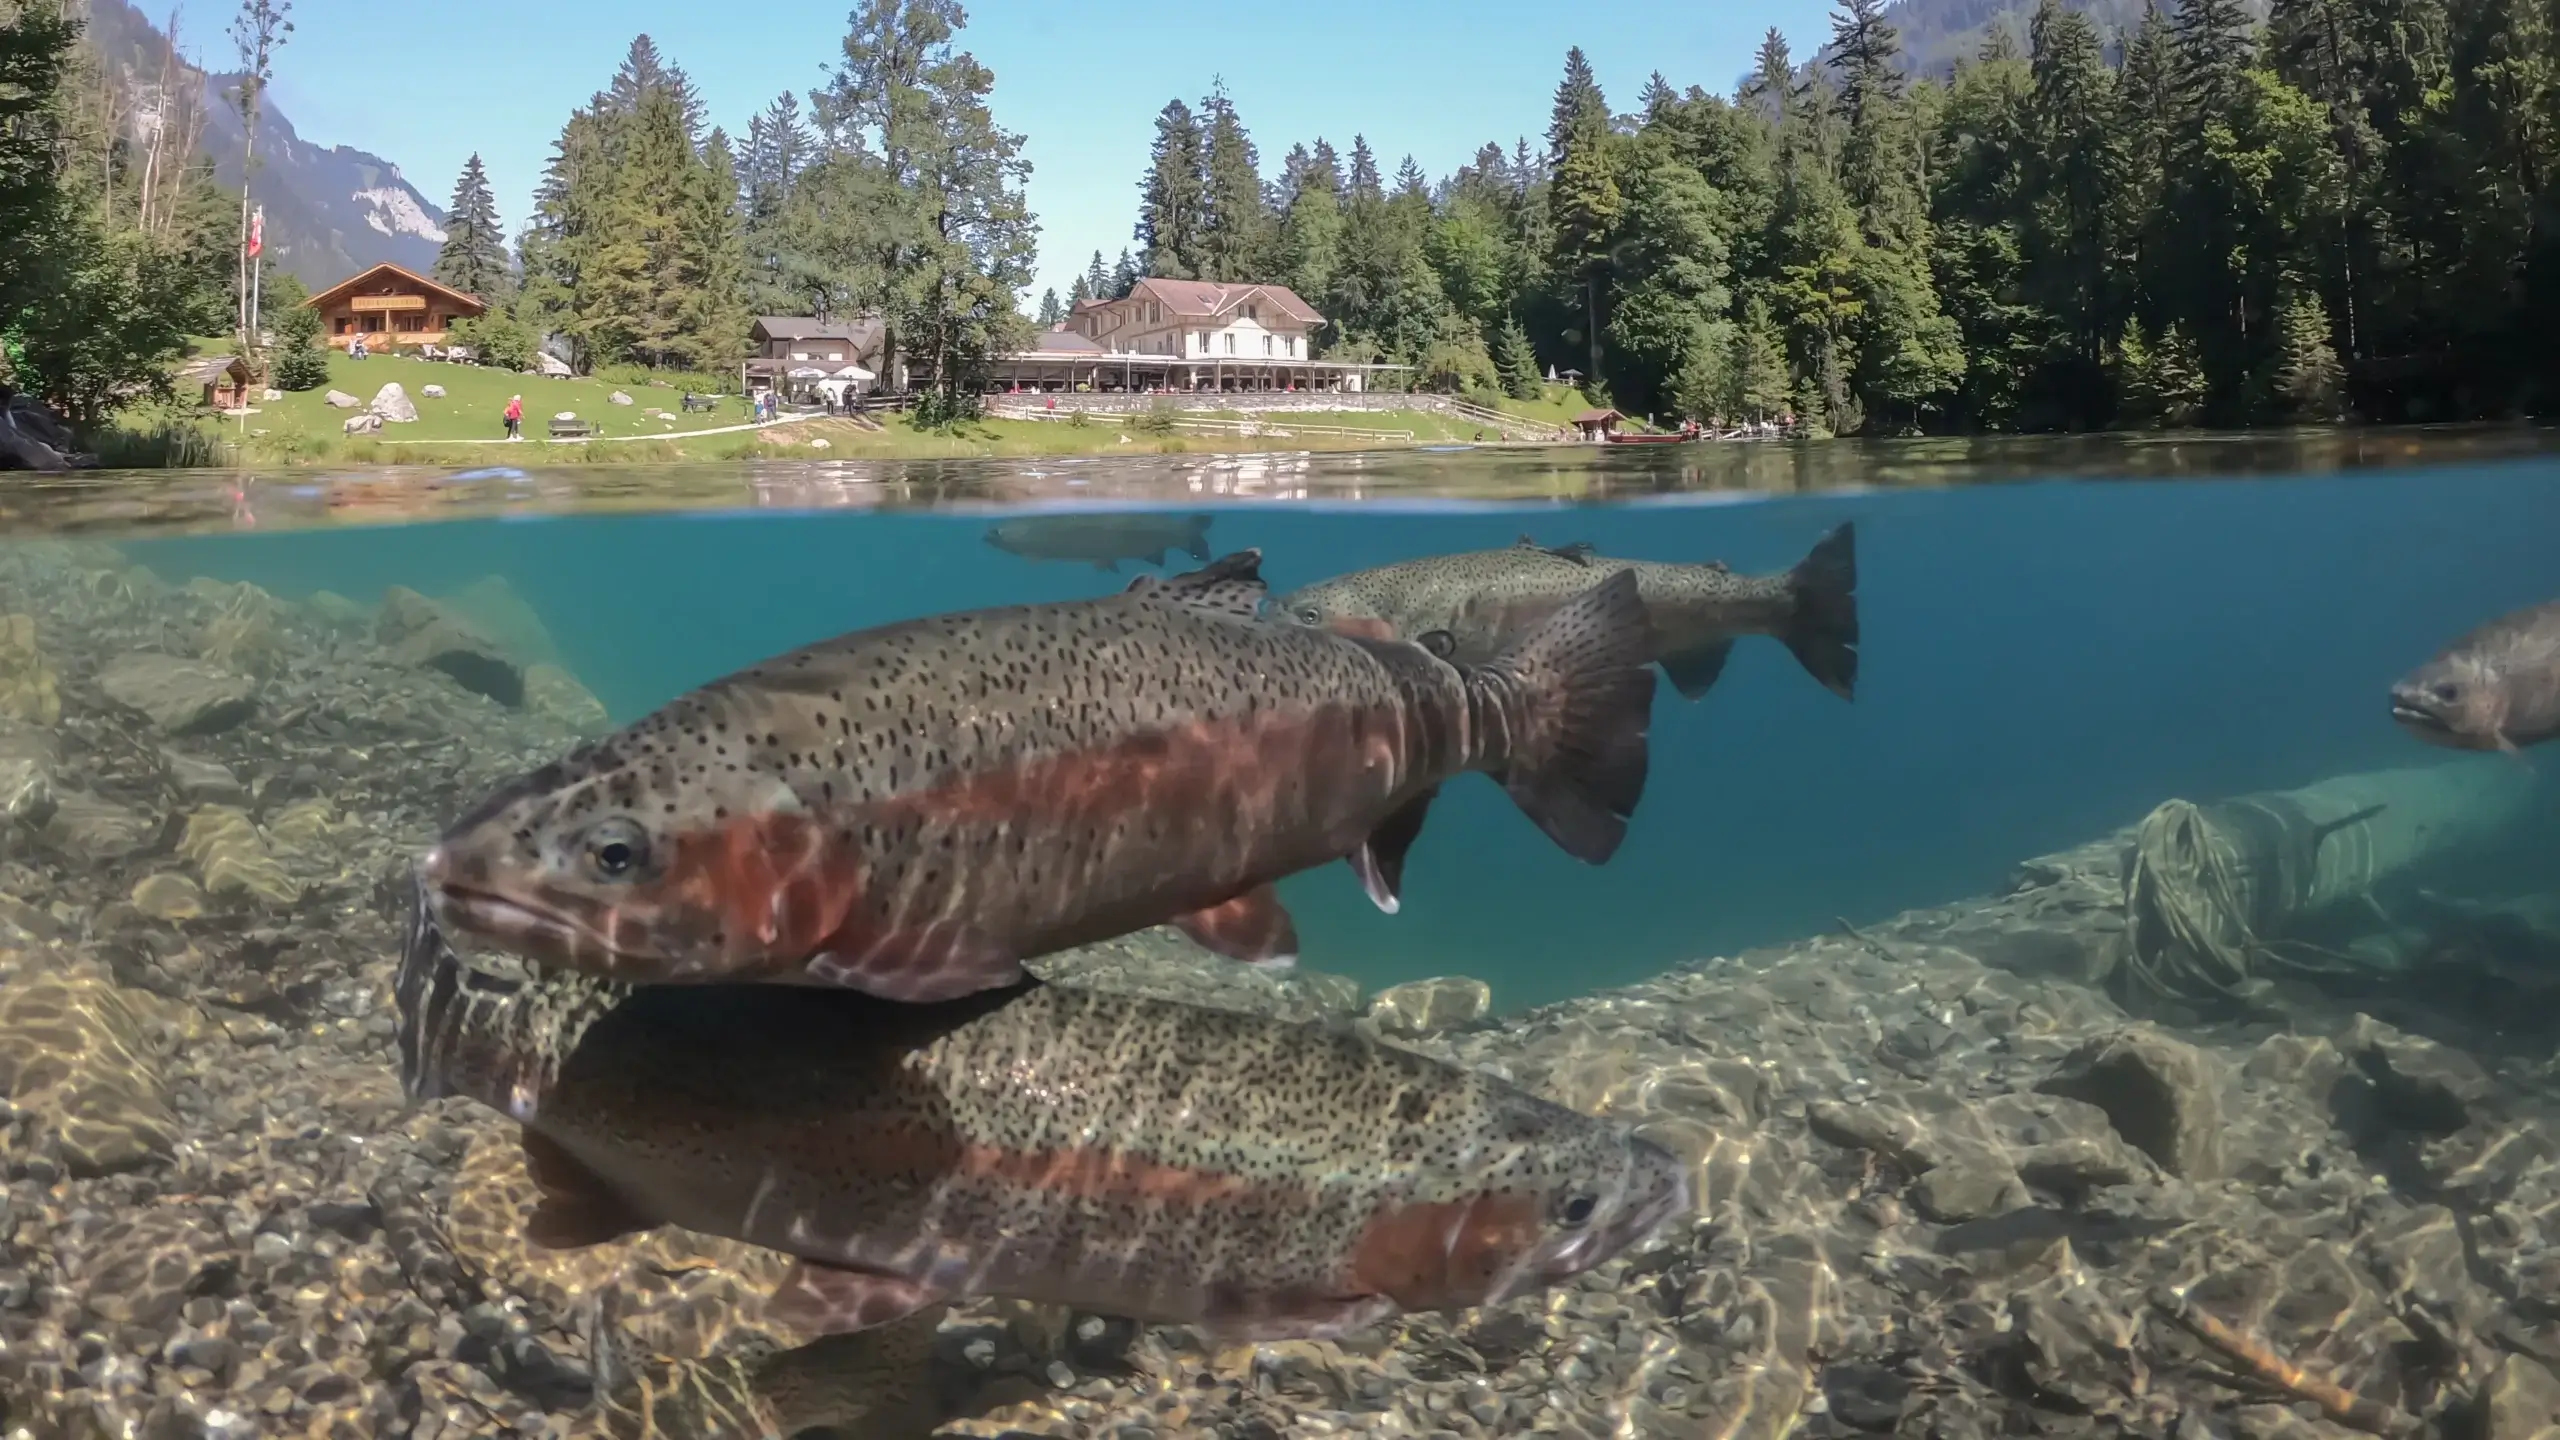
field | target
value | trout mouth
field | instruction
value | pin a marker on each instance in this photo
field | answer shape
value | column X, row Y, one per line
column 535, row 930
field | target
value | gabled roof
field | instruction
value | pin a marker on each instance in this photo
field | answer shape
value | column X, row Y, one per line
column 1597, row 417
column 1059, row 340
column 1210, row 297
column 802, row 327
column 404, row 273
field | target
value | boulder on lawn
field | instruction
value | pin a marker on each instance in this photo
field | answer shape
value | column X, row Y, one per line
column 393, row 404
column 618, row 398
column 566, row 415
column 367, row 423
column 271, row 394
column 553, row 365
column 342, row 400
column 432, row 392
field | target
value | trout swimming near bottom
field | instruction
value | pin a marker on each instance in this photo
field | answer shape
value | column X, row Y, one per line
column 2496, row 688
column 1161, row 1161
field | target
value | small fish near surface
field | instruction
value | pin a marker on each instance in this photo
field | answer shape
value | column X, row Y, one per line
column 1172, row 1163
column 1102, row 540
column 914, row 810
column 1465, row 607
column 2497, row 688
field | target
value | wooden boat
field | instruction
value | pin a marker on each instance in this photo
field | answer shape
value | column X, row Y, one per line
column 1676, row 437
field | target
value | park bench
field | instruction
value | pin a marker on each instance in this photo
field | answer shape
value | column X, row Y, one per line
column 572, row 429
column 693, row 402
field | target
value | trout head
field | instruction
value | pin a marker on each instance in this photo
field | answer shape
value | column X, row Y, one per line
column 1535, row 1213
column 655, row 856
column 1366, row 613
column 2457, row 699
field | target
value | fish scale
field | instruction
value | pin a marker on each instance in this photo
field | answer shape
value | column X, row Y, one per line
column 916, row 809
column 1138, row 1156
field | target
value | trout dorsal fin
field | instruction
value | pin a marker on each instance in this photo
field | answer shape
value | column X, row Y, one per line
column 1578, row 551
column 1230, row 585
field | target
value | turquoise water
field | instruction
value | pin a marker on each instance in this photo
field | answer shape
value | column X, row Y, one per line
column 2043, row 662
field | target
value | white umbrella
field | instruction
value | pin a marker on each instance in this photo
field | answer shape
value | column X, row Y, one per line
column 855, row 372
column 808, row 372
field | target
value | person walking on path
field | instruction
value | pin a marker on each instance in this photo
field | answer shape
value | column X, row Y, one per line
column 515, row 417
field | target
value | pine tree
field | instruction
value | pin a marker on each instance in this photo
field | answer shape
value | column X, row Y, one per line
column 1866, row 52
column 2074, row 166
column 1658, row 98
column 1516, row 362
column 1175, row 197
column 1125, row 276
column 2307, row 379
column 1311, row 238
column 645, row 72
column 474, row 256
column 1580, row 110
column 1097, row 278
column 1362, row 183
column 1237, row 233
column 299, row 361
column 1079, row 292
column 1051, row 312
column 711, row 263
column 1584, row 201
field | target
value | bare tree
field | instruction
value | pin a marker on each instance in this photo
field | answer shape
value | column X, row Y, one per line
column 258, row 31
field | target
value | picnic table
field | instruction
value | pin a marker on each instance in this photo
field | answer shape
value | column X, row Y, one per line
column 572, row 429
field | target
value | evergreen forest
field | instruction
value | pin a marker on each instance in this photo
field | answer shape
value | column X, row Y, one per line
column 2190, row 215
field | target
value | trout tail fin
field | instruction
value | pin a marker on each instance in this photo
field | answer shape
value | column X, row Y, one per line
column 1823, row 632
column 1573, row 699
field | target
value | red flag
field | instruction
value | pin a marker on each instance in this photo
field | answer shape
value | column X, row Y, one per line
column 257, row 231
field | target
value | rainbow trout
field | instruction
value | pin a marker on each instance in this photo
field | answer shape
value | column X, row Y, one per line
column 1466, row 607
column 1261, row 1178
column 2497, row 688
column 914, row 810
column 1104, row 540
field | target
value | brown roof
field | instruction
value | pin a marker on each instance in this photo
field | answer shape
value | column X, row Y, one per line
column 1210, row 297
column 1597, row 417
column 403, row 272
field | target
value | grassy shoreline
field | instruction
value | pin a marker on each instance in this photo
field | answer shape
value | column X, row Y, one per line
column 463, row 427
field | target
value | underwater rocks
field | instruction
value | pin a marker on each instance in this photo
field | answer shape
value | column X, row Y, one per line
column 2163, row 1095
column 1427, row 1007
column 29, row 690
column 79, row 1053
column 420, row 632
column 27, row 760
column 556, row 695
column 179, row 697
column 2520, row 1402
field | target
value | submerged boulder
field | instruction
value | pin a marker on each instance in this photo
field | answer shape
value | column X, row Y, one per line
column 1427, row 1007
column 181, row 697
column 420, row 632
column 2163, row 1095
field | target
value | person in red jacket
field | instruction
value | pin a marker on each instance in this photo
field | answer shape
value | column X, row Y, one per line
column 515, row 417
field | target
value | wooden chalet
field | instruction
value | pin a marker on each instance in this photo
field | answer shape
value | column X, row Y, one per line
column 389, row 305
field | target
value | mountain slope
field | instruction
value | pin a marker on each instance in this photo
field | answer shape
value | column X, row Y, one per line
column 331, row 210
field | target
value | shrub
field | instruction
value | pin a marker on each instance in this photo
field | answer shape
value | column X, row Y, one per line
column 498, row 338
column 302, row 367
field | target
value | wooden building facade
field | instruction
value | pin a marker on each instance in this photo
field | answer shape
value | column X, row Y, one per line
column 389, row 306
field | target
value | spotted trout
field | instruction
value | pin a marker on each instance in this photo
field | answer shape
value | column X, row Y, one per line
column 916, row 809
column 1260, row 1178
column 1104, row 540
column 2497, row 688
column 1466, row 607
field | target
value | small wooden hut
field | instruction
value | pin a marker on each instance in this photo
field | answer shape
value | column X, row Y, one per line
column 233, row 386
column 1597, row 424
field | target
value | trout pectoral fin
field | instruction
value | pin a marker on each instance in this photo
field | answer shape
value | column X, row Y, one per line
column 1361, row 627
column 1252, row 927
column 941, row 961
column 577, row 1208
column 1302, row 1317
column 821, row 1299
column 1379, row 862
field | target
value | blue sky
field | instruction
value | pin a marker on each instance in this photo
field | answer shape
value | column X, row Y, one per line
column 1082, row 82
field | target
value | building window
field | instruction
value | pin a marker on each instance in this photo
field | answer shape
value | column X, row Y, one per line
column 1266, row 344
column 1250, row 314
column 799, row 354
column 1293, row 344
column 1231, row 342
column 345, row 325
column 1204, row 341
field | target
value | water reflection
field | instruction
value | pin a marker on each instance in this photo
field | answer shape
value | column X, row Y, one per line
column 162, row 501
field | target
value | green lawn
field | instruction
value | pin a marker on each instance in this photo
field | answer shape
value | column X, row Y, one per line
column 473, row 405
column 1557, row 406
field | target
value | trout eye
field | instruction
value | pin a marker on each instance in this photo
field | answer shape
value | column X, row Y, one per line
column 1440, row 643
column 1576, row 1211
column 1309, row 615
column 2446, row 692
column 614, row 849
